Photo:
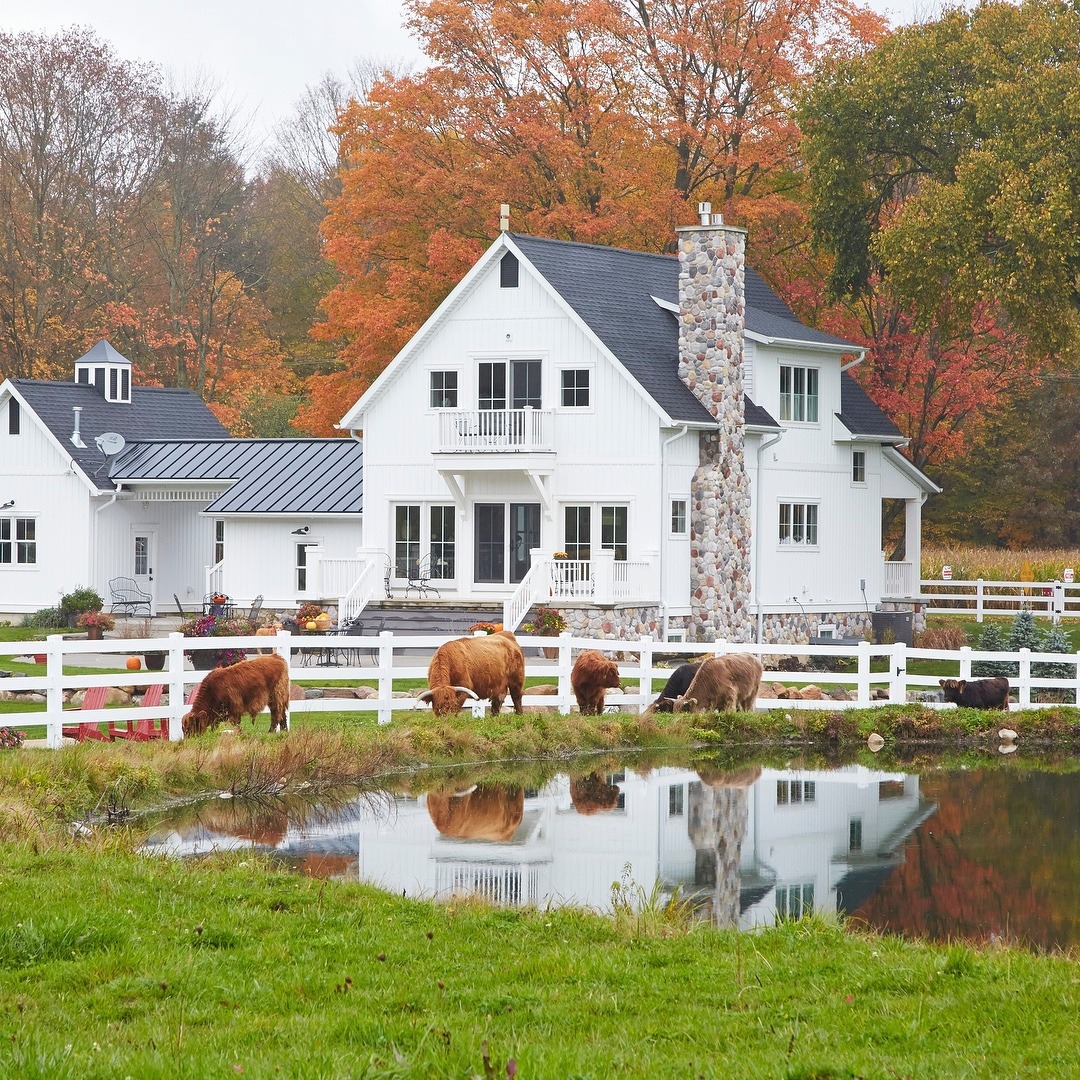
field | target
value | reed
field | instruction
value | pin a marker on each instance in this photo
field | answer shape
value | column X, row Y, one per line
column 995, row 564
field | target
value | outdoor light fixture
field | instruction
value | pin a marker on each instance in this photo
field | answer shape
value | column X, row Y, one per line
column 8, row 505
column 302, row 531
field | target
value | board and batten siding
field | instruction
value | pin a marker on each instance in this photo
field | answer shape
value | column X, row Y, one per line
column 607, row 452
column 40, row 481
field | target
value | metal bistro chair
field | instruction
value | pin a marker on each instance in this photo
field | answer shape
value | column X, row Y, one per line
column 420, row 578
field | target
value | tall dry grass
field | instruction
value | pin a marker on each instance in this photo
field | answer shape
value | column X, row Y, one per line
column 993, row 564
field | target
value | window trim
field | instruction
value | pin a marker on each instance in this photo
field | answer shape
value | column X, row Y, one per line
column 559, row 388
column 806, row 397
column 685, row 531
column 596, row 543
column 13, row 543
column 459, row 389
column 856, row 481
column 425, row 508
column 792, row 544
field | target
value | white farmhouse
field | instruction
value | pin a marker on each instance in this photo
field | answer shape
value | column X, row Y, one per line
column 705, row 463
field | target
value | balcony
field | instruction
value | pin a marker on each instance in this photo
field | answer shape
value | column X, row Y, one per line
column 500, row 431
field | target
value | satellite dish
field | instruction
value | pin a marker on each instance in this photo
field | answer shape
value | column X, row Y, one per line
column 110, row 442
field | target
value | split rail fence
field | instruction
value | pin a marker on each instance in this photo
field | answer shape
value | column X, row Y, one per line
column 1055, row 599
column 387, row 658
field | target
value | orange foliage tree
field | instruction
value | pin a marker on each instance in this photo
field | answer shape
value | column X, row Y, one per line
column 595, row 120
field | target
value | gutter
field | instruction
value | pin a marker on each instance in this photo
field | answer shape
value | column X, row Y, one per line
column 757, row 533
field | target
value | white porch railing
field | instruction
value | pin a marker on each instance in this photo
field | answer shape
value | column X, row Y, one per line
column 393, row 659
column 215, row 579
column 516, row 606
column 495, row 430
column 899, row 579
column 369, row 583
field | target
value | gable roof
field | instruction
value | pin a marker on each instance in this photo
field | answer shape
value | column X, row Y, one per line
column 644, row 334
column 269, row 476
column 861, row 416
column 153, row 412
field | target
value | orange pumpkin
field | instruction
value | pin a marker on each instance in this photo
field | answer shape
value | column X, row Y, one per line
column 134, row 663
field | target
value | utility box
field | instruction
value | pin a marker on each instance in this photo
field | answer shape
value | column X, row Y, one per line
column 894, row 625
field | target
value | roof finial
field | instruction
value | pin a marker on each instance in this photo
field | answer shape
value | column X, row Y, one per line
column 504, row 217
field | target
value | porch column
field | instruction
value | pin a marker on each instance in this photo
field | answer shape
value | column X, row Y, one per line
column 603, row 565
column 913, row 542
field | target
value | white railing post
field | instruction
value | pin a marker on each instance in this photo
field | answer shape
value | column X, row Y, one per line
column 645, row 670
column 284, row 650
column 177, row 704
column 863, row 685
column 1025, row 678
column 898, row 674
column 965, row 662
column 1077, row 696
column 979, row 594
column 565, row 665
column 386, row 676
column 603, row 569
column 54, row 691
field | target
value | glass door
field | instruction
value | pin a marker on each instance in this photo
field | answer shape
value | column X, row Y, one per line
column 524, row 536
column 490, row 562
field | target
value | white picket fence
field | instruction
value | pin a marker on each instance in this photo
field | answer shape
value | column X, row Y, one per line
column 396, row 657
column 1055, row 599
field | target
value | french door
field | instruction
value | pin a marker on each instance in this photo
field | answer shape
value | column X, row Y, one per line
column 504, row 535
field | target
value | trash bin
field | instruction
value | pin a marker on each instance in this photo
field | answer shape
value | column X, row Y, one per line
column 896, row 625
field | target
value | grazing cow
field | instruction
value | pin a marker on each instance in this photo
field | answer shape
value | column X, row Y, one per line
column 248, row 687
column 592, row 673
column 475, row 667
column 484, row 812
column 678, row 683
column 978, row 693
column 725, row 683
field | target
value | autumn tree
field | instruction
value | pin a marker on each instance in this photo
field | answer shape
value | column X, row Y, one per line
column 80, row 135
column 560, row 110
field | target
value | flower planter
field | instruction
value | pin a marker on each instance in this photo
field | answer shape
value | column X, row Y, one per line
column 205, row 660
column 40, row 658
column 94, row 633
column 154, row 661
column 550, row 653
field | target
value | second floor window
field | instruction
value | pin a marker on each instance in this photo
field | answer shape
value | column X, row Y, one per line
column 575, row 388
column 18, row 541
column 799, row 394
column 443, row 390
column 858, row 466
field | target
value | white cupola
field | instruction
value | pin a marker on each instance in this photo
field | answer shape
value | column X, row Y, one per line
column 106, row 369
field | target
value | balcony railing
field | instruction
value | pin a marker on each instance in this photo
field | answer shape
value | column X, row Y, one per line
column 899, row 580
column 495, row 430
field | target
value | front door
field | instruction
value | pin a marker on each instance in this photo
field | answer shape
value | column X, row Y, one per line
column 502, row 553
column 143, row 554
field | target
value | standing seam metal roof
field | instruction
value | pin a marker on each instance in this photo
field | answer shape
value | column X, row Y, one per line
column 270, row 476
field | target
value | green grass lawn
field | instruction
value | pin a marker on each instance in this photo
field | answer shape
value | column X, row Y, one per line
column 115, row 965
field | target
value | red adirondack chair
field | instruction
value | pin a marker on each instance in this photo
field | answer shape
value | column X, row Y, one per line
column 94, row 698
column 144, row 730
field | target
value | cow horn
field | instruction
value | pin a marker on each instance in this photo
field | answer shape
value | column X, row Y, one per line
column 425, row 696
column 466, row 690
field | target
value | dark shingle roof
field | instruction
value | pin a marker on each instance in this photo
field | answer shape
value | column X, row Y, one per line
column 860, row 415
column 612, row 290
column 272, row 476
column 154, row 412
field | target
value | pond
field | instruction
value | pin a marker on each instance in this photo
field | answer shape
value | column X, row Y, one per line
column 980, row 853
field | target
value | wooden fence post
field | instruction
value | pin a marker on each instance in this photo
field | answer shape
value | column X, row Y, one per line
column 54, row 691
column 863, row 684
column 176, row 686
column 386, row 676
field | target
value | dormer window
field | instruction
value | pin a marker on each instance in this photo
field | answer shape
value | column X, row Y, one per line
column 508, row 271
column 799, row 394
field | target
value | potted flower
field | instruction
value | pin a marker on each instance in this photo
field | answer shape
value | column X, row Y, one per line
column 95, row 623
column 203, row 626
column 547, row 622
column 485, row 627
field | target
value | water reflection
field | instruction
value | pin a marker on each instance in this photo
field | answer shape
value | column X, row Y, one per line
column 746, row 848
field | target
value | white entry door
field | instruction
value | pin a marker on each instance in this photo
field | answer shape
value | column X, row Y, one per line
column 143, row 555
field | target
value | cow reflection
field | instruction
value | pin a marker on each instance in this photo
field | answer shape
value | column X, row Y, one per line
column 717, row 828
column 592, row 795
column 484, row 812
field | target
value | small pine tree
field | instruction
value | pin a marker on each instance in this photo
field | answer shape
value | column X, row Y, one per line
column 1024, row 634
column 1055, row 640
column 992, row 640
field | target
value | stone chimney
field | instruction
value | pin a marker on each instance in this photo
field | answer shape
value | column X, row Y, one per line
column 711, row 321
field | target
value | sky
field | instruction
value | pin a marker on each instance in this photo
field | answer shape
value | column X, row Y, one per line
column 261, row 53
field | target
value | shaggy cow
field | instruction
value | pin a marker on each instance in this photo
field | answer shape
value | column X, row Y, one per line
column 678, row 683
column 485, row 812
column 593, row 672
column 977, row 694
column 723, row 684
column 227, row 693
column 592, row 795
column 475, row 667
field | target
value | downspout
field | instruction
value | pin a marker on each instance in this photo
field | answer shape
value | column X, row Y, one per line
column 664, row 542
column 94, row 545
column 762, row 447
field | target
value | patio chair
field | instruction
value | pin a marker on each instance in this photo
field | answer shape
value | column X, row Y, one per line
column 420, row 578
column 144, row 730
column 256, row 607
column 125, row 595
column 180, row 608
column 93, row 698
column 388, row 575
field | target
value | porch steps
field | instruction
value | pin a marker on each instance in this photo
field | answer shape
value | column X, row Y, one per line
column 415, row 617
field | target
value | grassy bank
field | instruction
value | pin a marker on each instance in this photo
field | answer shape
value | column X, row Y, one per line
column 116, row 965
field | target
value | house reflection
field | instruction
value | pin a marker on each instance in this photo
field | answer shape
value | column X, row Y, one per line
column 745, row 848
